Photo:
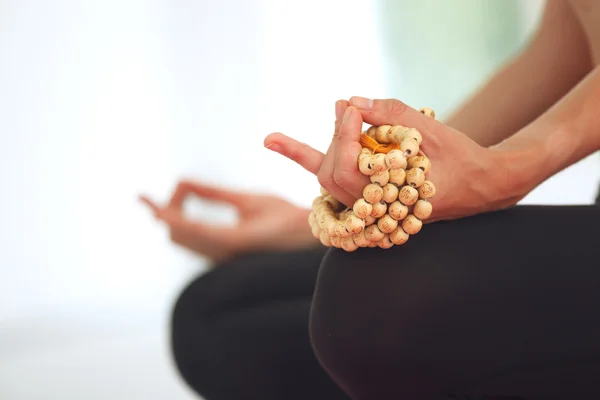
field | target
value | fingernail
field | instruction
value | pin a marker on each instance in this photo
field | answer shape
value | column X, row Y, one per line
column 338, row 110
column 274, row 147
column 362, row 103
column 347, row 114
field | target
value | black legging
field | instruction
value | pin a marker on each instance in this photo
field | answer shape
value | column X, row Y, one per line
column 498, row 306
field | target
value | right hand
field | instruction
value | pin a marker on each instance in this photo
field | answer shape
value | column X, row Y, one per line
column 265, row 222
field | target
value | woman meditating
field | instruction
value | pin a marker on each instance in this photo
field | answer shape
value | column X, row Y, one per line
column 488, row 300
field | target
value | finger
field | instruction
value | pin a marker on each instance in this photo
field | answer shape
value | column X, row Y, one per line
column 209, row 192
column 346, row 174
column 326, row 173
column 392, row 112
column 301, row 153
column 151, row 204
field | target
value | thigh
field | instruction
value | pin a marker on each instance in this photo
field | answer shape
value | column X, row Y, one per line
column 241, row 330
column 498, row 304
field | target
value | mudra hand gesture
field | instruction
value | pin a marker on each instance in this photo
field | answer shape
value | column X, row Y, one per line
column 469, row 178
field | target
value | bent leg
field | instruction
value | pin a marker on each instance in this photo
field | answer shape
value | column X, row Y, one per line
column 502, row 304
column 240, row 331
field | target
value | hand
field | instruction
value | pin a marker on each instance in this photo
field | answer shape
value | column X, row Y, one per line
column 469, row 178
column 265, row 223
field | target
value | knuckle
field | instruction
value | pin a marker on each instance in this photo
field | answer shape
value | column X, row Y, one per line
column 397, row 108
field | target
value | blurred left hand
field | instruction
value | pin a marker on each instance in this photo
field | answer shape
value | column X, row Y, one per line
column 469, row 178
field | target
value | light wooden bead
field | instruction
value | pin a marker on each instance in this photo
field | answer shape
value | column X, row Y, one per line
column 381, row 133
column 316, row 231
column 415, row 177
column 428, row 112
column 387, row 224
column 370, row 220
column 397, row 177
column 398, row 236
column 397, row 133
column 365, row 167
column 372, row 193
column 348, row 244
column 427, row 190
column 408, row 195
column 380, row 178
column 372, row 244
column 362, row 209
column 340, row 230
column 373, row 233
column 415, row 135
column 323, row 191
column 379, row 209
column 332, row 201
column 360, row 239
column 420, row 162
column 354, row 224
column 395, row 159
column 390, row 193
column 336, row 242
column 364, row 153
column 422, row 209
column 316, row 202
column 330, row 226
column 397, row 210
column 325, row 239
column 411, row 224
column 371, row 131
column 385, row 243
column 312, row 219
column 409, row 147
column 378, row 162
column 323, row 218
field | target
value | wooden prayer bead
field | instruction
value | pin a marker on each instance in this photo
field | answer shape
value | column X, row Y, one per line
column 422, row 209
column 325, row 239
column 390, row 193
column 398, row 236
column 316, row 231
column 427, row 111
column 378, row 162
column 380, row 178
column 409, row 147
column 370, row 220
column 397, row 177
column 330, row 226
column 348, row 244
column 340, row 229
column 379, row 209
column 373, row 233
column 371, row 131
column 381, row 133
column 324, row 192
column 365, row 167
column 411, row 224
column 364, row 153
column 397, row 133
column 415, row 177
column 415, row 135
column 336, row 242
column 312, row 218
column 372, row 244
column 395, row 160
column 385, row 243
column 361, row 208
column 397, row 210
column 420, row 162
column 408, row 195
column 360, row 239
column 354, row 224
column 372, row 193
column 387, row 224
column 427, row 190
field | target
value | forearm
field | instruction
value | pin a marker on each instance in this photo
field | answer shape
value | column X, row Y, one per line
column 554, row 61
column 566, row 133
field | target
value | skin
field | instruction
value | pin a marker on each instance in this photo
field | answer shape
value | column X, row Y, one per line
column 536, row 116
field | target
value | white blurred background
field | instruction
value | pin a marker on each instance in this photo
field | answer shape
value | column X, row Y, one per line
column 103, row 100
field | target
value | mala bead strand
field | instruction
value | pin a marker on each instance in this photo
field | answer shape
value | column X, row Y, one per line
column 393, row 206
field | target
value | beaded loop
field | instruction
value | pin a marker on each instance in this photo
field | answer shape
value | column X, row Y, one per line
column 393, row 205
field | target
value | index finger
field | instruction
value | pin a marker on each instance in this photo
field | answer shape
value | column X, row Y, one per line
column 185, row 187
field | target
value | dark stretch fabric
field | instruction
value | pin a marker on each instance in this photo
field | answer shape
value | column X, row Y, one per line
column 502, row 305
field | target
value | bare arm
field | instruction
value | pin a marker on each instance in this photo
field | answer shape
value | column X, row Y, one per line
column 554, row 61
column 566, row 133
